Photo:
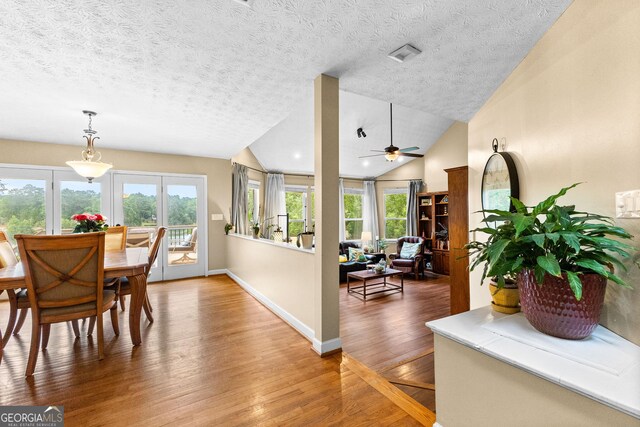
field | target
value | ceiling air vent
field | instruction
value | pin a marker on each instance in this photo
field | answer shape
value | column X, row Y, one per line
column 404, row 53
column 248, row 3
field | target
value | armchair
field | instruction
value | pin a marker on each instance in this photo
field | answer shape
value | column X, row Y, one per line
column 413, row 265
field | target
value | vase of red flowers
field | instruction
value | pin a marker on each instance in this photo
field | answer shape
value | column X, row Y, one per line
column 88, row 223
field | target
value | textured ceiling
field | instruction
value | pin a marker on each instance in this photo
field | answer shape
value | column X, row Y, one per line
column 210, row 77
column 288, row 146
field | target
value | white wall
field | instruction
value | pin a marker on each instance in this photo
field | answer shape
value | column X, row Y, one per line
column 570, row 113
column 449, row 151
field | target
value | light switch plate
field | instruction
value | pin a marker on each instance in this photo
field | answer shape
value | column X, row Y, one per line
column 628, row 204
column 217, row 217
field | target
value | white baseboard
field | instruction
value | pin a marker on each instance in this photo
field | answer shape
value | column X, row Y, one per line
column 306, row 331
column 216, row 272
column 323, row 347
column 437, row 424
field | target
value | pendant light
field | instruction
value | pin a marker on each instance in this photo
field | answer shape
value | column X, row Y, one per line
column 90, row 166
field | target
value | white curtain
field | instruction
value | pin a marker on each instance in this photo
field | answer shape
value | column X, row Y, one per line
column 274, row 203
column 341, row 230
column 239, row 188
column 412, row 210
column 370, row 210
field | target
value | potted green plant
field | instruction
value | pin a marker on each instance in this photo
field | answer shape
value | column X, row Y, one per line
column 255, row 226
column 382, row 245
column 561, row 259
column 89, row 223
column 227, row 228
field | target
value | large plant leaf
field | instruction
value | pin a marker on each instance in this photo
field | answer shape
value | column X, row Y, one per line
column 575, row 284
column 572, row 240
column 618, row 280
column 550, row 264
column 546, row 204
column 521, row 223
column 593, row 265
column 496, row 249
column 520, row 207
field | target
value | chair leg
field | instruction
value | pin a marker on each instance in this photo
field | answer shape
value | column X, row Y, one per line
column 13, row 313
column 92, row 323
column 76, row 328
column 149, row 302
column 147, row 309
column 114, row 318
column 35, row 343
column 100, row 337
column 46, row 330
column 21, row 319
column 122, row 302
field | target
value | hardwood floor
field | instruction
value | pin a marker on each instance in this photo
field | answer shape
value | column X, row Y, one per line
column 214, row 356
column 388, row 333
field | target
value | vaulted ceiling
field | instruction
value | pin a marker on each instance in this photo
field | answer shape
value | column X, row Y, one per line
column 208, row 78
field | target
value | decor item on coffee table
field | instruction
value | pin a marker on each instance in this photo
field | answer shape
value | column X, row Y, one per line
column 379, row 287
column 562, row 259
column 412, row 264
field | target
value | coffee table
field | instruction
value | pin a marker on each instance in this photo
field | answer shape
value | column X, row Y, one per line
column 367, row 277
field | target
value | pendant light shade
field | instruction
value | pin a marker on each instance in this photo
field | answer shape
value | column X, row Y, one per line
column 90, row 166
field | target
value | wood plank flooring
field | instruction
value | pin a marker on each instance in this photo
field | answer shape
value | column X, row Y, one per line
column 388, row 333
column 214, row 356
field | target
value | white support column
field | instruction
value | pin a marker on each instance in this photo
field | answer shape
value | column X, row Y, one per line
column 327, row 310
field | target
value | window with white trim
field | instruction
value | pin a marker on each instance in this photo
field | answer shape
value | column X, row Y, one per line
column 299, row 201
column 395, row 212
column 353, row 202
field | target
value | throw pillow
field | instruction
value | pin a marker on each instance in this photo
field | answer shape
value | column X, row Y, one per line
column 354, row 254
column 362, row 258
column 409, row 250
column 342, row 258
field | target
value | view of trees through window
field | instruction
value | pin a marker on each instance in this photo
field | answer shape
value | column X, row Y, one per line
column 395, row 214
column 353, row 215
column 139, row 203
column 295, row 203
column 22, row 206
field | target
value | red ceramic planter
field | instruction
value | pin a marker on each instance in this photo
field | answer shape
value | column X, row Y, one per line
column 553, row 309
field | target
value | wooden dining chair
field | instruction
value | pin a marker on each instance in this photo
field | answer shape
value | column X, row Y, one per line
column 116, row 238
column 125, row 286
column 64, row 277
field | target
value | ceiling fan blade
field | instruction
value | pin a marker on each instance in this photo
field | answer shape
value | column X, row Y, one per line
column 404, row 150
column 410, row 154
column 370, row 155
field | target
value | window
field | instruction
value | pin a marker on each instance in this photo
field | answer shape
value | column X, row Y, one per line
column 253, row 202
column 395, row 212
column 353, row 213
column 299, row 200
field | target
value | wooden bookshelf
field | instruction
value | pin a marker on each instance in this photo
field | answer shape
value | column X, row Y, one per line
column 433, row 215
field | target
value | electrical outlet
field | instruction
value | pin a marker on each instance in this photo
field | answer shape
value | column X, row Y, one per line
column 217, row 217
column 628, row 204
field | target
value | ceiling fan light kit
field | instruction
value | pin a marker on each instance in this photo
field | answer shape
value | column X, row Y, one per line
column 391, row 153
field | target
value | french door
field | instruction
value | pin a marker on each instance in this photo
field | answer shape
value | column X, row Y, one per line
column 72, row 195
column 143, row 202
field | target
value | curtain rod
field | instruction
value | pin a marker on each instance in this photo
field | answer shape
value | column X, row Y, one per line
column 312, row 176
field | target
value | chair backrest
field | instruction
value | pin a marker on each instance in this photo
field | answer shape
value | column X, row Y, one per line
column 411, row 239
column 62, row 271
column 155, row 247
column 194, row 237
column 7, row 255
column 116, row 238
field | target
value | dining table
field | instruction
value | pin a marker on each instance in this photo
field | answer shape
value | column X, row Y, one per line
column 130, row 263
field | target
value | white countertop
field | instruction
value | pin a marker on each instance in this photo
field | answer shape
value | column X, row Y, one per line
column 283, row 245
column 604, row 367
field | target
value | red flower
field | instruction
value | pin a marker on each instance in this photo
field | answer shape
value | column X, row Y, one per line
column 99, row 217
column 80, row 217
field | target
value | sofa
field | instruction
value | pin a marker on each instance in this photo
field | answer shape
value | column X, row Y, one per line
column 351, row 266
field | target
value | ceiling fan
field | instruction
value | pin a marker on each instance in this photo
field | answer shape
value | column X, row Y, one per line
column 392, row 152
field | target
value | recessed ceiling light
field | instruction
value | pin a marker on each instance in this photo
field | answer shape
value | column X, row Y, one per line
column 296, row 155
column 248, row 3
column 365, row 163
column 404, row 53
column 400, row 158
